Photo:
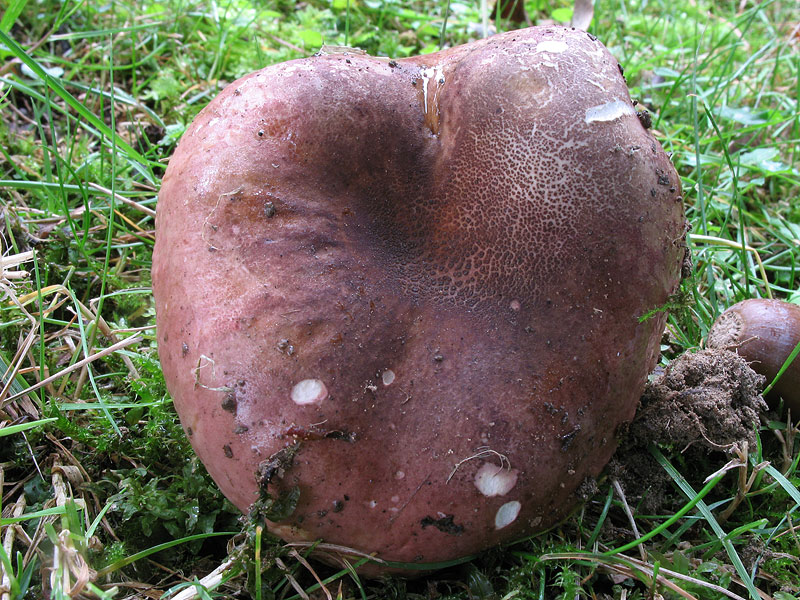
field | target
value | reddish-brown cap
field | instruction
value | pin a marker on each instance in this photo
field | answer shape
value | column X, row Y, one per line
column 425, row 277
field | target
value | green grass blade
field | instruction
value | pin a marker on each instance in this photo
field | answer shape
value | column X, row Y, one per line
column 693, row 501
column 47, row 512
column 723, row 538
column 787, row 485
column 13, row 10
column 11, row 429
column 73, row 102
column 166, row 545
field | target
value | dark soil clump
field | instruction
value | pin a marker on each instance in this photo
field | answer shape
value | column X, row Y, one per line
column 703, row 405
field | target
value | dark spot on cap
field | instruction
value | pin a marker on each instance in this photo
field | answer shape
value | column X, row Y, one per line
column 444, row 524
column 645, row 119
column 663, row 179
column 229, row 402
column 568, row 438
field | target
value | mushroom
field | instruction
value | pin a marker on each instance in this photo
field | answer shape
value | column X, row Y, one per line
column 764, row 332
column 401, row 301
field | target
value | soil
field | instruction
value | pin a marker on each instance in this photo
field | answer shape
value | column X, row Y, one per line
column 702, row 404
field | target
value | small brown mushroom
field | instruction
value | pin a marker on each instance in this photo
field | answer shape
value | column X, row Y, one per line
column 399, row 301
column 764, row 332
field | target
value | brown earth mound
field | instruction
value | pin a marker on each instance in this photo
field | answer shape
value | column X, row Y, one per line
column 701, row 404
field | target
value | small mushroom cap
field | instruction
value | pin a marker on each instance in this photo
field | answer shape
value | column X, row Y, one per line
column 400, row 272
column 764, row 332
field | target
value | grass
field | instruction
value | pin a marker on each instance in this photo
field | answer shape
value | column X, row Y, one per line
column 102, row 496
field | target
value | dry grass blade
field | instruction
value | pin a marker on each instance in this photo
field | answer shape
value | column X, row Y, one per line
column 71, row 573
column 620, row 567
column 8, row 543
column 290, row 578
column 745, row 483
column 106, row 331
column 629, row 514
column 81, row 363
column 8, row 377
column 209, row 582
column 337, row 549
column 9, row 263
column 126, row 201
column 308, row 567
column 786, row 438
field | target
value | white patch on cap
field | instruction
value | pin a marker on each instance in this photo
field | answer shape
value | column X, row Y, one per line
column 309, row 391
column 554, row 46
column 435, row 74
column 610, row 111
column 387, row 377
column 515, row 305
column 399, row 475
column 507, row 514
column 494, row 480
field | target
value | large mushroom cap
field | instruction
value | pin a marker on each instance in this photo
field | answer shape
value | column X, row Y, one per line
column 411, row 291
